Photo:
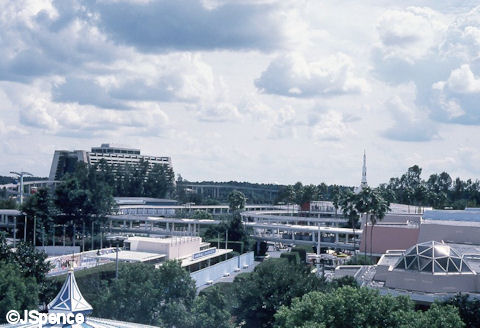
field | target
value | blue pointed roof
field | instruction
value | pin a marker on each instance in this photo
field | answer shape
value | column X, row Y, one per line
column 70, row 299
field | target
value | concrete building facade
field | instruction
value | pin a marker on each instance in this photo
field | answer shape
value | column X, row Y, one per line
column 64, row 161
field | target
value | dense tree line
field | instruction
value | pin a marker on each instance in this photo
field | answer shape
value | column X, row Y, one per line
column 439, row 190
column 350, row 307
column 23, row 282
column 256, row 193
column 82, row 200
column 139, row 180
column 301, row 194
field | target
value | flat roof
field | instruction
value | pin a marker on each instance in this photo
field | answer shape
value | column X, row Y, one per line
column 186, row 261
column 168, row 240
column 10, row 212
column 142, row 200
column 457, row 223
column 160, row 219
column 133, row 256
column 472, row 215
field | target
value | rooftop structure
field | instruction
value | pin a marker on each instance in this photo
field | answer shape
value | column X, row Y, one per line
column 426, row 272
column 432, row 257
column 70, row 299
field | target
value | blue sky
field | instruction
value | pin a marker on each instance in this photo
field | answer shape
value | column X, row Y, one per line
column 262, row 91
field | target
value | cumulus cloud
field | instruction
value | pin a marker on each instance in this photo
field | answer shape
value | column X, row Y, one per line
column 49, row 38
column 436, row 53
column 410, row 34
column 165, row 78
column 39, row 111
column 461, row 80
column 457, row 98
column 410, row 123
column 193, row 25
column 293, row 76
column 330, row 126
column 216, row 112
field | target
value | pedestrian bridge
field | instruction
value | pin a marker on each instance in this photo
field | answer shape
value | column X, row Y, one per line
column 332, row 237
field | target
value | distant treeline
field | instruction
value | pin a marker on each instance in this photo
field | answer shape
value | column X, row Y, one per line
column 256, row 193
column 439, row 191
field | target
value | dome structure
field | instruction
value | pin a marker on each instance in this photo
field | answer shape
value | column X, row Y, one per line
column 433, row 257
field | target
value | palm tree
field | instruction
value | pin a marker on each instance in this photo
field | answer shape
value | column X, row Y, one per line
column 347, row 202
column 363, row 205
column 336, row 198
column 379, row 207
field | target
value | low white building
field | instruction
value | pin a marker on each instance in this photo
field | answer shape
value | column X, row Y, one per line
column 191, row 251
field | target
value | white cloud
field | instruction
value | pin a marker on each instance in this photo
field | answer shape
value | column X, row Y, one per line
column 293, row 76
column 331, row 126
column 410, row 122
column 461, row 80
column 410, row 34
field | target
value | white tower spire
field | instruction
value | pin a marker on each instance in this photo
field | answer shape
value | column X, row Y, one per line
column 363, row 183
column 364, row 171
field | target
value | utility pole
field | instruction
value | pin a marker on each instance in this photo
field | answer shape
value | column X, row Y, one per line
column 318, row 249
column 25, row 230
column 116, row 262
column 14, row 231
column 34, row 231
column 21, row 175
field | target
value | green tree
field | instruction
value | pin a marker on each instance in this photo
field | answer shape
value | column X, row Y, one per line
column 210, row 310
column 273, row 283
column 468, row 307
column 72, row 202
column 347, row 202
column 371, row 203
column 17, row 291
column 160, row 181
column 8, row 203
column 30, row 262
column 349, row 307
column 161, row 296
column 84, row 198
column 202, row 215
column 236, row 201
column 41, row 207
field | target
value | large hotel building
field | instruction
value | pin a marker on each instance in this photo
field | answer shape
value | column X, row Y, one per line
column 64, row 161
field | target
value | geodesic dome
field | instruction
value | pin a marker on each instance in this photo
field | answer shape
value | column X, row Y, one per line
column 433, row 257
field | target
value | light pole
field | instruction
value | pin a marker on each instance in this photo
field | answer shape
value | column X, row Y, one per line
column 117, row 240
column 21, row 175
column 318, row 248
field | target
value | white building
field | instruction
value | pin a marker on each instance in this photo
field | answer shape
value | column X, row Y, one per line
column 64, row 161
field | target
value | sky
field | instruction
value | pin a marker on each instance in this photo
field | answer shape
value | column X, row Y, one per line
column 270, row 91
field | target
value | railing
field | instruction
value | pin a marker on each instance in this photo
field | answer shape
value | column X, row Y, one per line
column 222, row 269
